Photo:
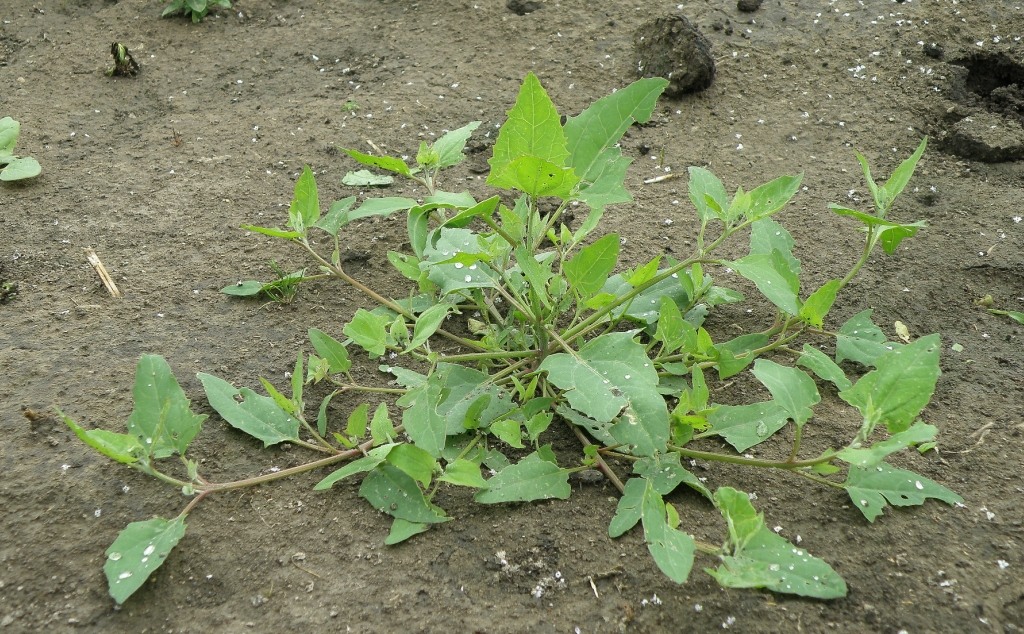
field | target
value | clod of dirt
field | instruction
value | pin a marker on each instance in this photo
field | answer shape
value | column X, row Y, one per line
column 989, row 88
column 933, row 50
column 522, row 7
column 673, row 48
column 986, row 137
column 749, row 6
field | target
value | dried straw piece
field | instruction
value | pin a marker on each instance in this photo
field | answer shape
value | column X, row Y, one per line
column 94, row 260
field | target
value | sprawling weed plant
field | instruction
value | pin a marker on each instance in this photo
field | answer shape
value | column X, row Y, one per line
column 517, row 325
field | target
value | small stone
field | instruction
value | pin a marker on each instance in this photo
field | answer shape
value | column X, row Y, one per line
column 749, row 6
column 933, row 50
column 671, row 47
column 522, row 7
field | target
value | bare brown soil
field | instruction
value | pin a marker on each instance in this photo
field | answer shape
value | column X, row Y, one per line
column 157, row 173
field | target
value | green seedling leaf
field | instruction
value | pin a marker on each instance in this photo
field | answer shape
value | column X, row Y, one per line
column 744, row 426
column 767, row 235
column 161, row 418
column 612, row 376
column 588, row 271
column 427, row 324
column 901, row 175
column 918, row 433
column 860, row 340
column 532, row 129
column 424, row 423
column 298, row 376
column 337, row 216
column 888, row 233
column 900, row 386
column 645, row 273
column 305, row 207
column 736, row 354
column 402, row 530
column 483, row 209
column 708, row 195
column 19, row 168
column 248, row 288
column 596, row 131
column 365, row 178
column 389, row 163
column 592, row 138
column 415, row 462
column 464, row 473
column 509, row 431
column 819, row 303
column 390, row 490
column 532, row 478
column 280, row 399
column 9, row 132
column 330, row 349
column 538, row 177
column 758, row 558
column 374, row 457
column 818, row 362
column 449, row 147
column 369, row 331
column 267, row 231
column 382, row 430
column 671, row 549
column 772, row 196
column 140, row 548
column 1017, row 316
column 379, row 207
column 871, row 488
column 259, row 416
column 321, row 415
column 358, row 418
column 645, row 307
column 673, row 331
column 665, row 473
column 630, row 508
column 774, row 277
column 123, row 448
column 790, row 388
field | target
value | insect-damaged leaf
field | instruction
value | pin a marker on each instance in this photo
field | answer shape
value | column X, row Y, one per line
column 161, row 418
column 532, row 478
column 613, row 378
column 259, row 416
column 758, row 558
column 392, row 491
column 899, row 387
column 871, row 488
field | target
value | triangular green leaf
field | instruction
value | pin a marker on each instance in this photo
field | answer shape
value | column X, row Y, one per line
column 161, row 418
column 900, row 386
column 871, row 488
column 259, row 416
column 140, row 548
column 532, row 478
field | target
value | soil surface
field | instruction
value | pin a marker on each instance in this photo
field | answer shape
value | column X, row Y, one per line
column 157, row 173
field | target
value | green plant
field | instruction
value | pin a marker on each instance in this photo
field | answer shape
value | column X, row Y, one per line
column 195, row 9
column 14, row 167
column 281, row 290
column 519, row 322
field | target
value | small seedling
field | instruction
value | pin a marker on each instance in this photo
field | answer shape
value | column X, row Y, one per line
column 282, row 290
column 14, row 167
column 124, row 64
column 519, row 326
column 195, row 9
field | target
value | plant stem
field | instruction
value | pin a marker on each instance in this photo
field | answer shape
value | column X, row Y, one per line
column 601, row 464
column 750, row 462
